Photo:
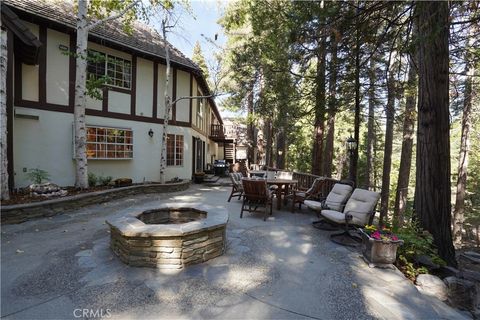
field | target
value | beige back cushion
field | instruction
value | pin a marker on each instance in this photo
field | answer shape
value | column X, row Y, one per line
column 338, row 196
column 361, row 204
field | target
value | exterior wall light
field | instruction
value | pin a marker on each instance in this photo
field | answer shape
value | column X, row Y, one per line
column 351, row 145
column 150, row 133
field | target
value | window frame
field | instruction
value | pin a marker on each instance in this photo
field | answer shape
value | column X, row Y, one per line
column 108, row 58
column 178, row 150
column 103, row 145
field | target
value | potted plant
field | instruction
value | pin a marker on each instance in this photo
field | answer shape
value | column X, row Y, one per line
column 379, row 246
column 198, row 176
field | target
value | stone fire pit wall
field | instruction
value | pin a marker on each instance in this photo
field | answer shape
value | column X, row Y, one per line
column 169, row 246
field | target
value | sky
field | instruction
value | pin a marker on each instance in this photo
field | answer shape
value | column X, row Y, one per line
column 201, row 25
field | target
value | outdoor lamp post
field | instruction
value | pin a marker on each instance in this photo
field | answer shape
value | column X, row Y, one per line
column 351, row 148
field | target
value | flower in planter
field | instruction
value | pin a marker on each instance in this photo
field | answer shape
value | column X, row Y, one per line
column 383, row 234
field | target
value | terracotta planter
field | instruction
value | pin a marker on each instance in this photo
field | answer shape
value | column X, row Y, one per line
column 379, row 253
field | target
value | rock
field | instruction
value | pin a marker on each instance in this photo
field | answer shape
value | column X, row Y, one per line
column 471, row 257
column 46, row 190
column 461, row 293
column 427, row 262
column 472, row 254
column 447, row 271
column 432, row 285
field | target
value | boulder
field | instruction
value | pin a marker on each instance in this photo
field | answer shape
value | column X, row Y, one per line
column 432, row 285
column 462, row 293
column 46, row 190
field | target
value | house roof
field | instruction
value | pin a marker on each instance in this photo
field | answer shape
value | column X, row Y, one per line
column 142, row 39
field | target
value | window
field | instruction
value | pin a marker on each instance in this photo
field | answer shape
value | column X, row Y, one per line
column 174, row 150
column 200, row 112
column 117, row 71
column 109, row 143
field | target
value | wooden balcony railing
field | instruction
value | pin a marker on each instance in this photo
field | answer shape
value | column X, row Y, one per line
column 216, row 131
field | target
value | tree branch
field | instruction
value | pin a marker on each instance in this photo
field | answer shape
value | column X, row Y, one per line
column 113, row 17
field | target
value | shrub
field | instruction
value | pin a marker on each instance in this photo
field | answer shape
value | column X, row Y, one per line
column 37, row 176
column 417, row 242
column 92, row 179
column 104, row 181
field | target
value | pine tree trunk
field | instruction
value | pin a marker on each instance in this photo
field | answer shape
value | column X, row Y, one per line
column 332, row 109
column 407, row 146
column 458, row 217
column 250, row 126
column 81, row 166
column 319, row 126
column 371, row 125
column 356, row 124
column 281, row 149
column 387, row 154
column 168, row 107
column 5, row 194
column 432, row 189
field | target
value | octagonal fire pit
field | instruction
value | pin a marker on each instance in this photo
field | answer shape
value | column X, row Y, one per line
column 169, row 237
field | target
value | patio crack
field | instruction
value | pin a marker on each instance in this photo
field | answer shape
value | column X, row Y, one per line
column 280, row 308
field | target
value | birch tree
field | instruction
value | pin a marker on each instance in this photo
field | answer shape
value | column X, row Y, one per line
column 89, row 16
column 5, row 195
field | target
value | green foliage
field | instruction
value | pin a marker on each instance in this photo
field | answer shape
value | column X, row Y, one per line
column 104, row 181
column 37, row 176
column 92, row 179
column 417, row 242
column 199, row 59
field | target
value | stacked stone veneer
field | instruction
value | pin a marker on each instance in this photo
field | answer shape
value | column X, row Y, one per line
column 23, row 212
column 169, row 246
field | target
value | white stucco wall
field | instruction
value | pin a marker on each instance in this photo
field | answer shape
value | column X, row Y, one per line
column 30, row 73
column 119, row 102
column 183, row 90
column 47, row 144
column 57, row 68
column 144, row 97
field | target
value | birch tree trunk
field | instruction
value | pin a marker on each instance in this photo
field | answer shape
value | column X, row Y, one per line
column 5, row 194
column 168, row 107
column 81, row 167
column 433, row 185
column 387, row 156
column 407, row 146
column 458, row 217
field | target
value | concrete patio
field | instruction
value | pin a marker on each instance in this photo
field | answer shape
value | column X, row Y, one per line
column 56, row 268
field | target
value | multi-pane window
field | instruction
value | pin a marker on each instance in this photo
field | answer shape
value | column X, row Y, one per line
column 109, row 143
column 117, row 71
column 174, row 150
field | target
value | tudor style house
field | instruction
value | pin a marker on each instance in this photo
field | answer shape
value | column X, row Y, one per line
column 124, row 126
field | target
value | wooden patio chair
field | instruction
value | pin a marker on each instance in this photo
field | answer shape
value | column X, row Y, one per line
column 256, row 194
column 319, row 191
column 237, row 187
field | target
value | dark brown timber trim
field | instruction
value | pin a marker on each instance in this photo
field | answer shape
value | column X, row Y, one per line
column 72, row 71
column 18, row 81
column 105, row 100
column 42, row 65
column 155, row 89
column 174, row 96
column 9, row 102
column 190, row 100
column 133, row 96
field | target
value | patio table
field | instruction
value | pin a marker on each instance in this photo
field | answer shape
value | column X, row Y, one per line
column 280, row 183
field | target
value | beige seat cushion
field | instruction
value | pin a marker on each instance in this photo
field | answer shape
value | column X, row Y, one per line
column 360, row 205
column 314, row 205
column 338, row 196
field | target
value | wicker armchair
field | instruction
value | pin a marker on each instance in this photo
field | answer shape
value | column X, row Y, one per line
column 256, row 194
column 237, row 187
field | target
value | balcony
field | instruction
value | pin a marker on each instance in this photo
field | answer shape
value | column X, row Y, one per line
column 217, row 134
